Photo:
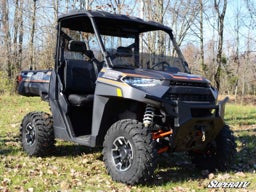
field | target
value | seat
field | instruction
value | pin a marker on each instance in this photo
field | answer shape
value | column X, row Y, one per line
column 124, row 52
column 79, row 77
column 123, row 56
column 79, row 82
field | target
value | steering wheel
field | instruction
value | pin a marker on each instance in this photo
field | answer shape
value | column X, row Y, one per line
column 161, row 66
column 166, row 67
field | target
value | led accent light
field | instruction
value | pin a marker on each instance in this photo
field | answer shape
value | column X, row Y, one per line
column 141, row 82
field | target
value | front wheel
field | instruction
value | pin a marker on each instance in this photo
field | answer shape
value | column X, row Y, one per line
column 128, row 152
column 219, row 154
column 37, row 135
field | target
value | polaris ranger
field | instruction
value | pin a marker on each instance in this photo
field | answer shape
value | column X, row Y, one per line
column 122, row 83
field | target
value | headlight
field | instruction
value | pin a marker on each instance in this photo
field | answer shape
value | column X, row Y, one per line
column 141, row 82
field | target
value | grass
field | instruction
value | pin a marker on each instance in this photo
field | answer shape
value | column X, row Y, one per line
column 78, row 168
column 240, row 115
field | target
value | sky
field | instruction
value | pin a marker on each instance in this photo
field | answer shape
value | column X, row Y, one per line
column 230, row 33
column 237, row 15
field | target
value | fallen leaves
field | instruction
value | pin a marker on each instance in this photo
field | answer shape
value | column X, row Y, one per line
column 211, row 176
column 6, row 182
column 240, row 174
column 64, row 186
column 180, row 189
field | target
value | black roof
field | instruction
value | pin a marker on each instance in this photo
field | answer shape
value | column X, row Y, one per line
column 108, row 23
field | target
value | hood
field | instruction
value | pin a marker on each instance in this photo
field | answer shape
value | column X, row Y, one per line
column 161, row 75
column 157, row 83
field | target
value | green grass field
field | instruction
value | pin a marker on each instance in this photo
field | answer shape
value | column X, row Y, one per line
column 77, row 168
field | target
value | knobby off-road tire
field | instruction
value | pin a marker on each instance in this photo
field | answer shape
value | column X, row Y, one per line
column 37, row 135
column 129, row 152
column 220, row 153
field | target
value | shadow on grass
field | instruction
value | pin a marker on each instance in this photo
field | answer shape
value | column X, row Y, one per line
column 174, row 168
column 9, row 151
column 246, row 155
column 178, row 167
column 249, row 120
column 9, row 144
column 171, row 167
column 73, row 150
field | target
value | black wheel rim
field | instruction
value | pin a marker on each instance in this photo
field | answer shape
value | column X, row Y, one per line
column 30, row 134
column 122, row 154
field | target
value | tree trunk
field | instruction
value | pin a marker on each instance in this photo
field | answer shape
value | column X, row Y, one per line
column 18, row 36
column 221, row 17
column 237, row 60
column 7, row 38
column 56, row 9
column 15, row 33
column 201, row 21
column 32, row 35
column 160, row 16
column 21, row 32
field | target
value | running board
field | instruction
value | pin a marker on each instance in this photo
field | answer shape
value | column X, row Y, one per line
column 83, row 140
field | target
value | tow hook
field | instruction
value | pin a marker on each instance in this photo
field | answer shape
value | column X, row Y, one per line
column 203, row 134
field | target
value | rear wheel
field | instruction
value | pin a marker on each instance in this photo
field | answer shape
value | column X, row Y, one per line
column 219, row 154
column 37, row 135
column 128, row 152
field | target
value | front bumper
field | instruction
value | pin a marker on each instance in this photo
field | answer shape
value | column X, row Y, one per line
column 196, row 124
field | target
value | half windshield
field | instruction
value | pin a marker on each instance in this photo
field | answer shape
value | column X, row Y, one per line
column 152, row 50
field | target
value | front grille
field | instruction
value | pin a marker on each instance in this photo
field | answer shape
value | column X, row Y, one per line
column 189, row 91
column 190, row 84
column 188, row 97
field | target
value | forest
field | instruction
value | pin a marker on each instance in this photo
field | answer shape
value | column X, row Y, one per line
column 217, row 37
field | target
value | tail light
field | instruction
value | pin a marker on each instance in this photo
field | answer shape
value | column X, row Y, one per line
column 19, row 78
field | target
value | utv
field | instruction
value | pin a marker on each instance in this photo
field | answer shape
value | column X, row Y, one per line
column 122, row 83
